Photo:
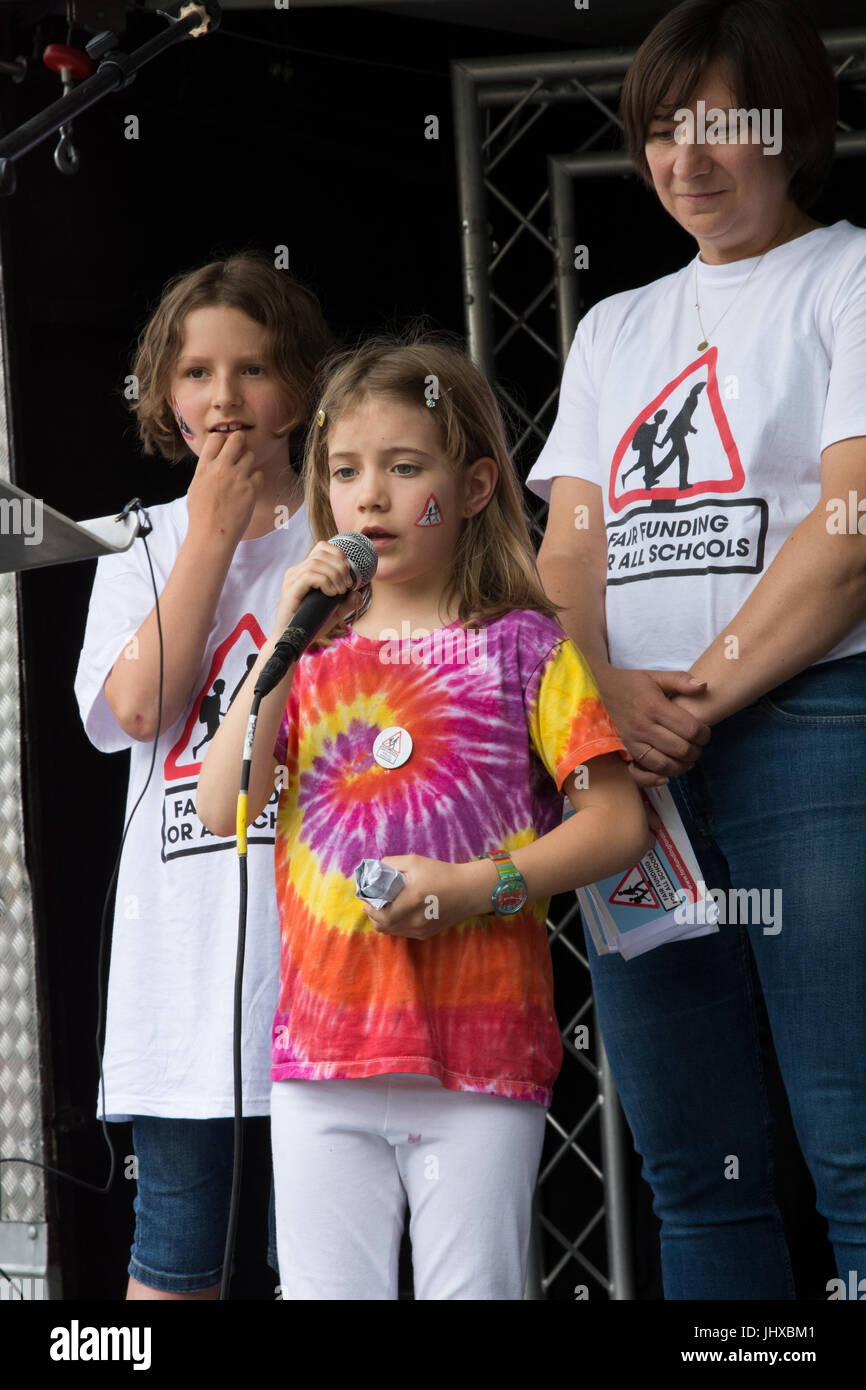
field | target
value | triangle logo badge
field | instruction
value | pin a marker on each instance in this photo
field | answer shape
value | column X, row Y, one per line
column 231, row 663
column 634, row 891
column 681, row 444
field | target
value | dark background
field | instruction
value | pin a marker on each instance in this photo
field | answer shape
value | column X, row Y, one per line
column 306, row 128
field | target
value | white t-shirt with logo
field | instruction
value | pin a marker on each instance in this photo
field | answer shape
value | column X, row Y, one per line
column 708, row 460
column 168, row 1043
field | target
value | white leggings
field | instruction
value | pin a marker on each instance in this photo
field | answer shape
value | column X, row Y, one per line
column 348, row 1155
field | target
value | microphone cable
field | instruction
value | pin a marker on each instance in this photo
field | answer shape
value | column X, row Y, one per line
column 287, row 650
column 237, row 1012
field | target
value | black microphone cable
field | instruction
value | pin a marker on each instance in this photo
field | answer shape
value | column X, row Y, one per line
column 363, row 559
column 287, row 650
column 237, row 1018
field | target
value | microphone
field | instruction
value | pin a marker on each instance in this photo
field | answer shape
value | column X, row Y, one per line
column 316, row 608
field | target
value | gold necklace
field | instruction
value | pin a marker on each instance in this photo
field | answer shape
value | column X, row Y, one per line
column 706, row 336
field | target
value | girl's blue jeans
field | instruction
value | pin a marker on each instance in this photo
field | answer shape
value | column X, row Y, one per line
column 777, row 800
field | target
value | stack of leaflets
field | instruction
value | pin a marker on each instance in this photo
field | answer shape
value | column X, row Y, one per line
column 662, row 898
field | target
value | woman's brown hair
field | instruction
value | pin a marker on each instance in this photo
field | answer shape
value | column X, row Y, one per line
column 493, row 569
column 299, row 340
column 774, row 59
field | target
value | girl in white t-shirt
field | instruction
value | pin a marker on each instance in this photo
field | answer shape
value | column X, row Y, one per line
column 224, row 370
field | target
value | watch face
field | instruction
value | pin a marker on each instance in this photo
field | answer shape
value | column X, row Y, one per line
column 510, row 900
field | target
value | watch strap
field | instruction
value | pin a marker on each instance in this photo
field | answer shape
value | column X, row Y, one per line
column 510, row 894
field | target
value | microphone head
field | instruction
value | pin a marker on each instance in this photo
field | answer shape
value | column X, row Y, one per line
column 360, row 552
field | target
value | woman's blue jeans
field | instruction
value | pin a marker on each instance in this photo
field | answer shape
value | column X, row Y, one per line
column 777, row 801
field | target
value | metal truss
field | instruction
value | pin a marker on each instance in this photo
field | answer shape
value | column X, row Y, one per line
column 519, row 236
column 24, row 1093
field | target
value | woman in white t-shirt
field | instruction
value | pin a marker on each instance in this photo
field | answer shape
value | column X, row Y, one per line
column 224, row 368
column 706, row 534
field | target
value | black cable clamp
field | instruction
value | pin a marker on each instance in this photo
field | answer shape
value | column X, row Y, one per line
column 144, row 523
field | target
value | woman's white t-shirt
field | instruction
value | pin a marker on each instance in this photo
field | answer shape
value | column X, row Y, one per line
column 707, row 460
column 168, row 1043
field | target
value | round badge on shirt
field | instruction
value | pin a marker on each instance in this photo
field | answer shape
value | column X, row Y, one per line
column 393, row 747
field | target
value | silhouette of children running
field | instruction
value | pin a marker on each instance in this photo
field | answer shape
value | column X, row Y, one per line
column 251, row 661
column 680, row 426
column 210, row 713
column 643, row 442
column 638, row 894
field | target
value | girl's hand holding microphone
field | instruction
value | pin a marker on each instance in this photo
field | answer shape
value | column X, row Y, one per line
column 325, row 568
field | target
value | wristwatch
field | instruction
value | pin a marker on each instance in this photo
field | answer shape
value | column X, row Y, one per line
column 510, row 894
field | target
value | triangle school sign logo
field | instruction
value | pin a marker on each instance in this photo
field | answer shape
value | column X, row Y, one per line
column 656, row 459
column 231, row 661
column 675, row 491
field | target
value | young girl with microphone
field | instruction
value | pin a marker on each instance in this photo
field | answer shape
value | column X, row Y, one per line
column 434, row 729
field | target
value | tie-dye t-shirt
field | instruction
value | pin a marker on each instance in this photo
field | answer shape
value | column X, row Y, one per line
column 498, row 718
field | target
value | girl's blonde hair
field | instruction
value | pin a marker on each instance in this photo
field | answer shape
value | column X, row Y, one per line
column 299, row 340
column 493, row 569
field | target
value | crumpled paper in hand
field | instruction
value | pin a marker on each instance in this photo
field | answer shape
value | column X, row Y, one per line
column 377, row 884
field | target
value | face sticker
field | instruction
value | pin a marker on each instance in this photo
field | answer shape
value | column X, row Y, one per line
column 431, row 515
column 181, row 422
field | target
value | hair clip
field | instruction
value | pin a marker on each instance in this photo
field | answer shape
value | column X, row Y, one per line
column 430, row 401
column 320, row 419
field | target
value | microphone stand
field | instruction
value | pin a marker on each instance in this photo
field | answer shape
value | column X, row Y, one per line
column 116, row 70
